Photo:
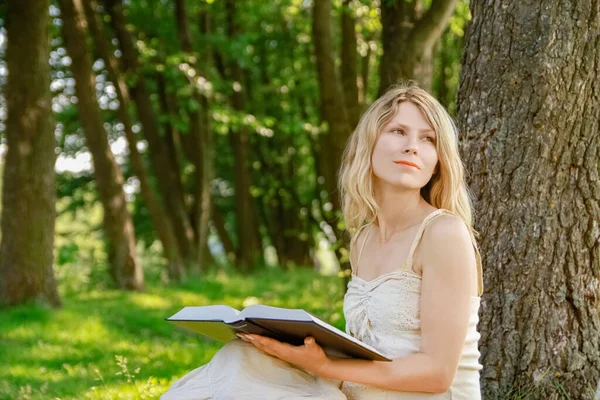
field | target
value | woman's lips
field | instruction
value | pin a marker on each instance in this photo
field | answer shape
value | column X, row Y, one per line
column 406, row 164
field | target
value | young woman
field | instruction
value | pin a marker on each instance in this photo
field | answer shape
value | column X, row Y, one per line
column 416, row 275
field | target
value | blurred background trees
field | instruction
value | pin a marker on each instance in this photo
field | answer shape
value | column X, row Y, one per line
column 209, row 133
column 153, row 142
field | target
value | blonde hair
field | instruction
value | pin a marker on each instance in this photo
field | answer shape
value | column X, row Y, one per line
column 447, row 188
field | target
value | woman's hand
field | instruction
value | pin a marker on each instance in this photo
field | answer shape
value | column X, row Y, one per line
column 309, row 356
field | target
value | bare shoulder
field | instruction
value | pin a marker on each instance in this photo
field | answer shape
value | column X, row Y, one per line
column 446, row 228
column 446, row 243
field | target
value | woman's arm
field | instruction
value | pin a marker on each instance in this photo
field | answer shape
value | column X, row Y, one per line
column 448, row 261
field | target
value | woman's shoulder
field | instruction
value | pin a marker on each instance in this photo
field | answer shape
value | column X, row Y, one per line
column 446, row 226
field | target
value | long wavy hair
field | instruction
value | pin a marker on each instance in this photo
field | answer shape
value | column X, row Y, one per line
column 447, row 187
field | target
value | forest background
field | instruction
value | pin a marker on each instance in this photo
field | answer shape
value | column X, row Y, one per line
column 162, row 153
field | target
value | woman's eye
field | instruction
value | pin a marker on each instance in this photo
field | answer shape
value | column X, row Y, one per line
column 397, row 131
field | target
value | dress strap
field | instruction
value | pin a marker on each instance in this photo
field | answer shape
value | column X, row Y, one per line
column 353, row 242
column 408, row 264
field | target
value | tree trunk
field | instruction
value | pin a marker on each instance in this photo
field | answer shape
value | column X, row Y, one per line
column 349, row 67
column 201, row 131
column 158, row 216
column 529, row 110
column 250, row 252
column 409, row 37
column 28, row 186
column 333, row 108
column 333, row 111
column 118, row 227
column 169, row 179
column 219, row 221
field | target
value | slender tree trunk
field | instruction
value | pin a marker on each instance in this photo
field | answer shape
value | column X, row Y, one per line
column 159, row 218
column 349, row 67
column 529, row 114
column 167, row 104
column 409, row 37
column 333, row 111
column 333, row 108
column 28, row 185
column 125, row 269
column 219, row 221
column 250, row 252
column 169, row 179
column 200, row 129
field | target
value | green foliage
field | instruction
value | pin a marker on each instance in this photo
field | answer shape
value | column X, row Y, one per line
column 447, row 60
column 110, row 345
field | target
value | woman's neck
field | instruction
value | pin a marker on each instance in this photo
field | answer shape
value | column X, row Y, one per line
column 399, row 211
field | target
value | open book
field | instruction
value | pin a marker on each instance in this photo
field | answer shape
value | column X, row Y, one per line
column 286, row 325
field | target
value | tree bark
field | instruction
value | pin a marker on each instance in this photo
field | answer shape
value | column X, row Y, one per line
column 169, row 180
column 408, row 39
column 28, row 185
column 529, row 110
column 159, row 218
column 250, row 251
column 118, row 226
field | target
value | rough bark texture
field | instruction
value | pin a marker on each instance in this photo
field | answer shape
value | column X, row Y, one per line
column 250, row 251
column 408, row 38
column 28, row 190
column 118, row 226
column 529, row 110
column 158, row 216
column 169, row 179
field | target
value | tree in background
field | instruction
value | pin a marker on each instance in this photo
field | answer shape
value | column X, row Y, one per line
column 200, row 133
column 529, row 115
column 409, row 36
column 160, row 220
column 164, row 165
column 274, row 89
column 118, row 227
column 250, row 249
column 28, row 190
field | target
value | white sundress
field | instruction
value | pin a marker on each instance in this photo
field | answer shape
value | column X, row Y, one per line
column 383, row 312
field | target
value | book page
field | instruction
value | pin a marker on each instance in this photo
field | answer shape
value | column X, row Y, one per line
column 268, row 312
column 207, row 313
column 216, row 330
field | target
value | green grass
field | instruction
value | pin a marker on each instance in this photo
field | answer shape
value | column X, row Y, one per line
column 116, row 345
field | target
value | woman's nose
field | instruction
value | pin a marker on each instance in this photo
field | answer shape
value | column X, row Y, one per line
column 410, row 146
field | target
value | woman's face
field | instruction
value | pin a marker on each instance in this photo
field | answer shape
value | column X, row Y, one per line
column 408, row 137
